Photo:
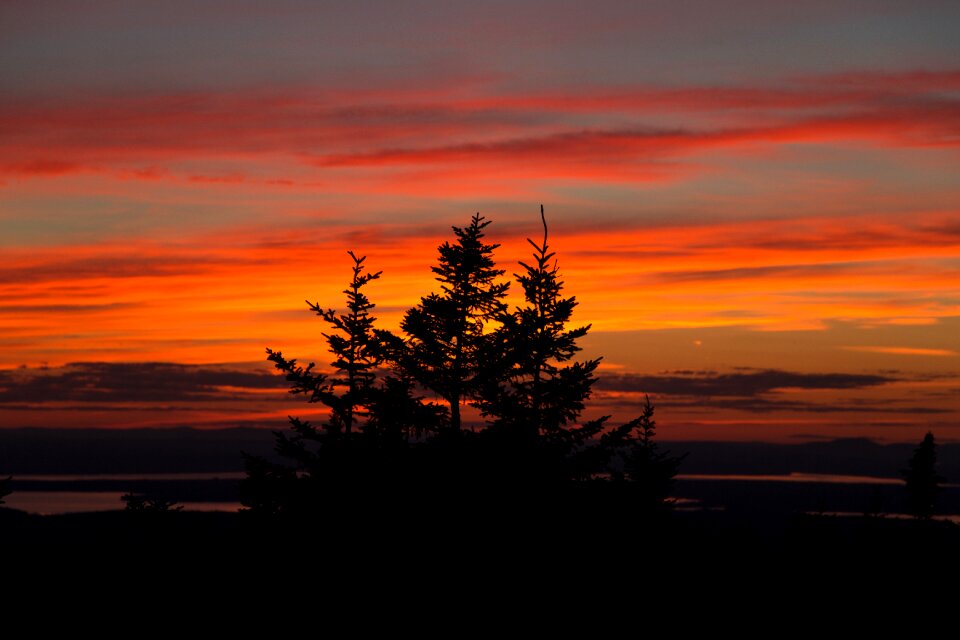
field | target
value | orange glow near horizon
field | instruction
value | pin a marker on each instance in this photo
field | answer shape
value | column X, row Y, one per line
column 200, row 303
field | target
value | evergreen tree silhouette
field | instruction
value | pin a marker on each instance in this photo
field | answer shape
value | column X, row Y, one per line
column 464, row 345
column 355, row 352
column 446, row 339
column 359, row 393
column 653, row 471
column 539, row 392
column 921, row 478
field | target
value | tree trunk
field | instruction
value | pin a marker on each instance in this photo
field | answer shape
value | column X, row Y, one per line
column 455, row 413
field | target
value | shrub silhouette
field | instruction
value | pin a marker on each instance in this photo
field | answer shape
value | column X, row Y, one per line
column 5, row 489
column 395, row 402
column 135, row 502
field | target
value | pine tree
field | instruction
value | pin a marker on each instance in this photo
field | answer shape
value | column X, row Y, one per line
column 464, row 345
column 651, row 470
column 316, row 457
column 446, row 331
column 356, row 354
column 540, row 391
column 921, row 478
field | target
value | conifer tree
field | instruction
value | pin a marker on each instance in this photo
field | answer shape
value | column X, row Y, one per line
column 356, row 353
column 464, row 345
column 314, row 456
column 446, row 338
column 922, row 480
column 644, row 464
column 540, row 392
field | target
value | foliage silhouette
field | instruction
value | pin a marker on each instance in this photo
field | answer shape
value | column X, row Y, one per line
column 360, row 392
column 447, row 343
column 922, row 482
column 463, row 345
column 355, row 354
column 141, row 503
column 5, row 489
column 535, row 393
column 652, row 470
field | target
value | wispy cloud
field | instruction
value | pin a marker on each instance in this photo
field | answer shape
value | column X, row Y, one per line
column 741, row 384
column 126, row 382
column 906, row 351
column 127, row 134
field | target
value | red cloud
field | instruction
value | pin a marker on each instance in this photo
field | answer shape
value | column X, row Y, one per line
column 569, row 135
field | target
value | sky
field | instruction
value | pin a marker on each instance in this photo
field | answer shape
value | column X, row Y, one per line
column 756, row 203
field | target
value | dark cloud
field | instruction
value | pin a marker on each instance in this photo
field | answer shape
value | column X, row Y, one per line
column 741, row 383
column 103, row 382
column 61, row 308
column 619, row 143
column 709, row 405
column 115, row 266
column 763, row 405
column 755, row 391
column 116, row 408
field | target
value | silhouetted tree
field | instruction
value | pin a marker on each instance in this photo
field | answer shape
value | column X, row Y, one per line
column 5, row 488
column 360, row 393
column 464, row 345
column 651, row 470
column 446, row 338
column 355, row 352
column 539, row 392
column 921, row 478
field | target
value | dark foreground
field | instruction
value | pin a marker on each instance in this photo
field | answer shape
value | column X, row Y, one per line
column 578, row 530
column 738, row 525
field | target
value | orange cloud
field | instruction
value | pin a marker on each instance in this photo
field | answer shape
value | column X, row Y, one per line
column 225, row 296
column 907, row 351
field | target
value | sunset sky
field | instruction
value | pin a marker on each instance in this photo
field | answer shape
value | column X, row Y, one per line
column 756, row 203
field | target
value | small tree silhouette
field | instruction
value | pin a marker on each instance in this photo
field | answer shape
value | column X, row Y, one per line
column 355, row 351
column 5, row 489
column 652, row 470
column 921, row 478
column 315, row 460
column 446, row 345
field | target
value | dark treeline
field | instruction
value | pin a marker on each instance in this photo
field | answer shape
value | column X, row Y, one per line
column 34, row 450
column 396, row 427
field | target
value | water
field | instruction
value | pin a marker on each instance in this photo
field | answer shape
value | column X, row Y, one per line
column 120, row 477
column 817, row 478
column 59, row 502
column 893, row 516
column 47, row 503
